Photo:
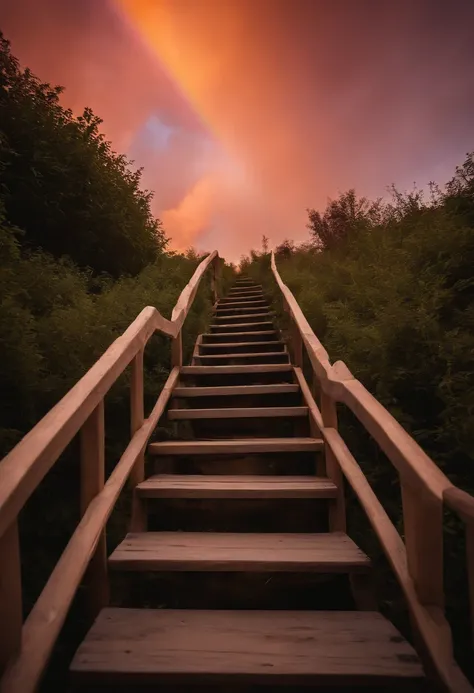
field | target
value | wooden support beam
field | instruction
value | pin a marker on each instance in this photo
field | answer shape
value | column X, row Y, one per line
column 137, row 417
column 11, row 616
column 337, row 511
column 423, row 529
column 92, row 483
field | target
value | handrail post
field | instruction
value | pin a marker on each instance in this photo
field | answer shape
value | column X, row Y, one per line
column 337, row 510
column 215, row 276
column 11, row 616
column 297, row 344
column 423, row 529
column 177, row 350
column 92, row 438
column 137, row 418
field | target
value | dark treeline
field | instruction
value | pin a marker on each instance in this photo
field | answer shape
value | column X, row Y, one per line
column 389, row 288
column 81, row 252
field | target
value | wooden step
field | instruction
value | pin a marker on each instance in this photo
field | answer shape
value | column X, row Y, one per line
column 237, row 413
column 265, row 326
column 234, row 390
column 228, row 370
column 247, row 293
column 231, row 347
column 243, row 319
column 241, row 310
column 231, row 486
column 256, row 357
column 328, row 552
column 240, row 302
column 220, row 337
column 235, row 447
column 178, row 647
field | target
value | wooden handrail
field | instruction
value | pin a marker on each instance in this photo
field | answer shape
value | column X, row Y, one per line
column 25, row 648
column 417, row 563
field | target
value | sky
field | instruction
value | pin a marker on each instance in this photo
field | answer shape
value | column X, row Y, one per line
column 244, row 113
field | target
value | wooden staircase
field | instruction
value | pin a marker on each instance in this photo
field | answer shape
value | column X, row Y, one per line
column 240, row 535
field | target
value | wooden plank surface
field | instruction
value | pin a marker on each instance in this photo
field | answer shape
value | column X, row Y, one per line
column 238, row 446
column 238, row 413
column 239, row 326
column 227, row 370
column 243, row 317
column 241, row 345
column 328, row 552
column 234, row 390
column 45, row 620
column 231, row 486
column 273, row 647
column 250, row 355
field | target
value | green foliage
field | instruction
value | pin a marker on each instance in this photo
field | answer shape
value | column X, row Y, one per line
column 64, row 186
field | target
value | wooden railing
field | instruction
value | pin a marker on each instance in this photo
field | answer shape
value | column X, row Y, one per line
column 26, row 647
column 418, row 561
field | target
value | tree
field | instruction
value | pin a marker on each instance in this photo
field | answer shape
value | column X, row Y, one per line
column 62, row 183
column 265, row 244
column 346, row 215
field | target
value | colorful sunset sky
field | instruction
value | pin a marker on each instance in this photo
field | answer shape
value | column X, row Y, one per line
column 244, row 113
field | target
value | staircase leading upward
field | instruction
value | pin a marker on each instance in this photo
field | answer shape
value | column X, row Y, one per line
column 239, row 540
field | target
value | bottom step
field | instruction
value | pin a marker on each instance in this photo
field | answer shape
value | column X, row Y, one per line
column 140, row 646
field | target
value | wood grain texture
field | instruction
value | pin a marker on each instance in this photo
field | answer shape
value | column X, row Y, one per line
column 291, row 647
column 45, row 620
column 226, row 370
column 332, row 552
column 238, row 413
column 212, row 338
column 231, row 486
column 242, row 347
column 235, row 390
column 11, row 611
column 238, row 446
column 243, row 326
column 92, row 483
column 429, row 621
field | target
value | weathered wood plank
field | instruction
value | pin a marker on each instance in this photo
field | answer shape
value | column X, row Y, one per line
column 238, row 413
column 238, row 446
column 230, row 486
column 249, row 368
column 276, row 345
column 239, row 327
column 11, row 613
column 92, row 483
column 234, row 390
column 332, row 552
column 137, row 417
column 45, row 620
column 430, row 621
column 273, row 647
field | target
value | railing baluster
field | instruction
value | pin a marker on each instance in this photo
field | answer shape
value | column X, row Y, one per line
column 11, row 617
column 423, row 528
column 297, row 344
column 92, row 482
column 177, row 350
column 337, row 510
column 137, row 418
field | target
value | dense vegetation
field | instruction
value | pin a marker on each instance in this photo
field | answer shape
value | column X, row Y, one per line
column 81, row 253
column 389, row 288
